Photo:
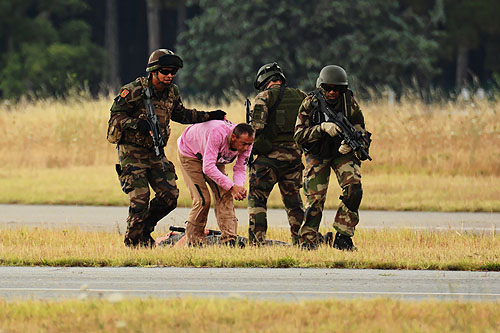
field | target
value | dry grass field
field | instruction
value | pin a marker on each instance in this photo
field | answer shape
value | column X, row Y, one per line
column 425, row 157
column 378, row 249
column 441, row 157
column 240, row 315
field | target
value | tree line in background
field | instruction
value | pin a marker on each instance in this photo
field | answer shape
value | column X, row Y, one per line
column 54, row 47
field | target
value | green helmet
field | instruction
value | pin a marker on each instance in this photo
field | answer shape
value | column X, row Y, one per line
column 332, row 74
column 267, row 72
column 163, row 58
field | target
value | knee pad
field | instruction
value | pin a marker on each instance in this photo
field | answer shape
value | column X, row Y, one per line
column 138, row 210
column 159, row 208
column 352, row 199
column 162, row 203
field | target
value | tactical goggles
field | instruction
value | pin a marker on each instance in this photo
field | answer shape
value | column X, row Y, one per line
column 170, row 60
column 332, row 87
column 271, row 68
column 166, row 71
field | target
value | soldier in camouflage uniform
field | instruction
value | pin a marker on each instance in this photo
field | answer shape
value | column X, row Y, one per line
column 279, row 158
column 139, row 166
column 325, row 150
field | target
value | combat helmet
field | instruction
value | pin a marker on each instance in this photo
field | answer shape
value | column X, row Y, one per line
column 163, row 58
column 332, row 74
column 267, row 72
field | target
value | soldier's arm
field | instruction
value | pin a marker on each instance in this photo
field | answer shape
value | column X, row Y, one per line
column 183, row 115
column 305, row 131
column 301, row 93
column 123, row 108
column 260, row 111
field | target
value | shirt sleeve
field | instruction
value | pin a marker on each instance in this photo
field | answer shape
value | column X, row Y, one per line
column 215, row 141
column 123, row 107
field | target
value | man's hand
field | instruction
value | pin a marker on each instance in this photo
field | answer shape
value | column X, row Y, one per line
column 344, row 148
column 238, row 192
column 216, row 115
column 143, row 127
column 330, row 128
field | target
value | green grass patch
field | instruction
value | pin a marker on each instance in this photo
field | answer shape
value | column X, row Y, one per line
column 243, row 315
column 377, row 249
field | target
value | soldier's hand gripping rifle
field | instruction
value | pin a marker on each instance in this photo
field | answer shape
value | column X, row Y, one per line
column 249, row 120
column 352, row 137
column 154, row 124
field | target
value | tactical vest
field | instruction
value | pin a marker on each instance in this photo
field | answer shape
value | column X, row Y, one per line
column 281, row 119
column 284, row 117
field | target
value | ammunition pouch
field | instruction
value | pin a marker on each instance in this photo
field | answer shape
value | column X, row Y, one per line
column 311, row 148
column 262, row 145
column 323, row 148
column 366, row 142
column 114, row 134
column 134, row 137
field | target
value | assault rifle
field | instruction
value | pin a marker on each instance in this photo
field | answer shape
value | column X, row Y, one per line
column 249, row 119
column 182, row 229
column 154, row 124
column 352, row 137
column 247, row 110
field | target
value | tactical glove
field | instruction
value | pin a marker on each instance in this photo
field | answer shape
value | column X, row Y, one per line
column 344, row 148
column 143, row 127
column 216, row 115
column 330, row 128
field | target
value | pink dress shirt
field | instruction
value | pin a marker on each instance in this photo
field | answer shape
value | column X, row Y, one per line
column 209, row 142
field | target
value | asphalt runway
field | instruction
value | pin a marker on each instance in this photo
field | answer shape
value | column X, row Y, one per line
column 290, row 284
column 113, row 218
column 256, row 283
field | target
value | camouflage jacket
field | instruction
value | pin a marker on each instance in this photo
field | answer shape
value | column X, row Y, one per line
column 308, row 132
column 284, row 150
column 128, row 108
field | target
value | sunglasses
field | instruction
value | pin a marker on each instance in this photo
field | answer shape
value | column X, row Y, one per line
column 166, row 71
column 332, row 87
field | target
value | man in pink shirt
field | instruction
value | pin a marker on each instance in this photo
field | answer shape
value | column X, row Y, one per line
column 204, row 150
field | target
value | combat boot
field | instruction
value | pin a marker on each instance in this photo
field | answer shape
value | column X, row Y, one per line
column 147, row 241
column 328, row 238
column 343, row 242
column 310, row 246
column 133, row 236
column 256, row 238
column 129, row 242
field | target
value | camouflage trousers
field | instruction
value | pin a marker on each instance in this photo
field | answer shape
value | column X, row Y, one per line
column 264, row 173
column 139, row 169
column 316, row 180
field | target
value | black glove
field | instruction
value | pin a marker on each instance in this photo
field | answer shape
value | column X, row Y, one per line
column 143, row 127
column 216, row 115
